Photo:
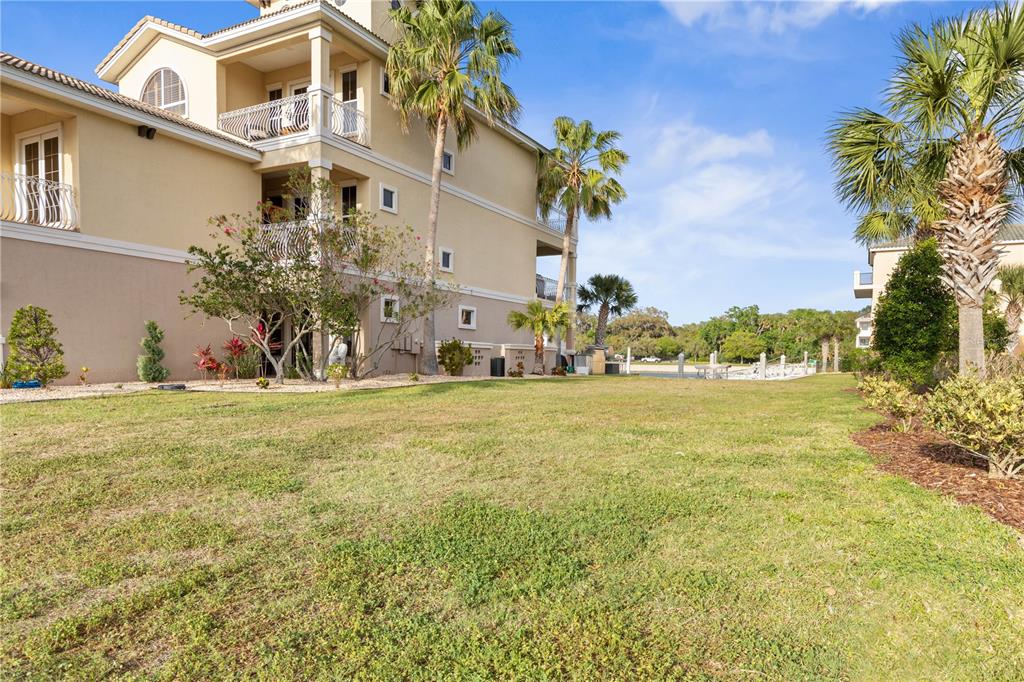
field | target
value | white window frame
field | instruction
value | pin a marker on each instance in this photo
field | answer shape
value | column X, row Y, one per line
column 41, row 132
column 471, row 326
column 380, row 198
column 451, row 154
column 184, row 87
column 383, row 76
column 440, row 259
column 397, row 310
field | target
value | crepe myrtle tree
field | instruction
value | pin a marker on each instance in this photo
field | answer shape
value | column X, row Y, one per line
column 951, row 129
column 317, row 273
column 446, row 68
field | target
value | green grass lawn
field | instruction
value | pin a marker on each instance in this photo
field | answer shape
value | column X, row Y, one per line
column 618, row 528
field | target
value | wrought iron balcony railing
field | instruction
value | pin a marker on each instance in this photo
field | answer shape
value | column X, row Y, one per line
column 555, row 220
column 546, row 288
column 34, row 201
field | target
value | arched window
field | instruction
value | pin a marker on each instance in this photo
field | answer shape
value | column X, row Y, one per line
column 165, row 90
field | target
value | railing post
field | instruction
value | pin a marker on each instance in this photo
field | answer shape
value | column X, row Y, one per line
column 764, row 366
column 782, row 365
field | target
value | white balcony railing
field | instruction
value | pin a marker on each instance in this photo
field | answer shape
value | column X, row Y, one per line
column 285, row 241
column 348, row 121
column 546, row 288
column 35, row 201
column 291, row 115
column 268, row 120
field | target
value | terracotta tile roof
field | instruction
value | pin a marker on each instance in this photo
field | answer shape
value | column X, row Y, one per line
column 12, row 61
column 196, row 34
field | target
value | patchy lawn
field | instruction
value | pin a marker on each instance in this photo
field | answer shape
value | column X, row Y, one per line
column 617, row 528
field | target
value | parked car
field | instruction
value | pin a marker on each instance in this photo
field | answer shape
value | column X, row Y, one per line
column 650, row 358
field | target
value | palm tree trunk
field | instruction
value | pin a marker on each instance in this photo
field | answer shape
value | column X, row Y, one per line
column 824, row 354
column 1013, row 317
column 538, row 356
column 972, row 194
column 972, row 339
column 835, row 353
column 602, row 325
column 563, row 276
column 428, row 357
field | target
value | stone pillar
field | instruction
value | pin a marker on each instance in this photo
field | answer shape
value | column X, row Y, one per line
column 321, row 84
column 782, row 365
column 763, row 366
column 682, row 363
column 629, row 359
column 713, row 360
column 805, row 362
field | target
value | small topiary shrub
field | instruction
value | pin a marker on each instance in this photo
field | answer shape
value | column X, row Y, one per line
column 35, row 351
column 263, row 382
column 985, row 417
column 148, row 364
column 454, row 356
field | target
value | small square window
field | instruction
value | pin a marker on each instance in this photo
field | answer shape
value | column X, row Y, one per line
column 385, row 82
column 389, row 309
column 467, row 317
column 446, row 260
column 388, row 199
column 448, row 162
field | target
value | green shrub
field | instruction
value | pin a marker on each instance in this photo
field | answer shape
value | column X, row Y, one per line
column 35, row 351
column 893, row 398
column 985, row 417
column 915, row 319
column 454, row 356
column 148, row 364
column 336, row 372
column 263, row 382
column 247, row 365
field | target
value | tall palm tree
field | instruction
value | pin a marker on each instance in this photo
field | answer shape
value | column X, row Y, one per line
column 613, row 295
column 1011, row 279
column 446, row 67
column 955, row 111
column 542, row 321
column 575, row 178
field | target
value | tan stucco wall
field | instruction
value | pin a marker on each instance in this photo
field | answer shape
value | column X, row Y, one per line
column 198, row 71
column 100, row 302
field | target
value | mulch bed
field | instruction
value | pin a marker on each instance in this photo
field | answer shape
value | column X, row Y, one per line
column 931, row 461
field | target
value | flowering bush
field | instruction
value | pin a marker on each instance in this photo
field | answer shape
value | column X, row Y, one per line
column 985, row 417
column 336, row 372
column 236, row 349
column 205, row 362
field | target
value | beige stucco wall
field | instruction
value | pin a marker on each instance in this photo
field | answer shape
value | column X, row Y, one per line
column 197, row 70
column 100, row 302
column 884, row 262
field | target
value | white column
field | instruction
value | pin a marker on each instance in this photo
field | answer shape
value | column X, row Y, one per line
column 321, row 84
column 764, row 365
column 782, row 365
column 629, row 358
column 682, row 363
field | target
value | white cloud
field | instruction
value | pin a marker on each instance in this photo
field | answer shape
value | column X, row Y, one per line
column 762, row 16
column 715, row 218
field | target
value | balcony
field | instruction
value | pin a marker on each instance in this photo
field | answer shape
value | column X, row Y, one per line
column 292, row 116
column 554, row 222
column 34, row 201
column 862, row 284
column 546, row 288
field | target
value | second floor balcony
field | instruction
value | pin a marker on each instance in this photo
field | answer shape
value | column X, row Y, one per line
column 862, row 284
column 33, row 200
column 297, row 115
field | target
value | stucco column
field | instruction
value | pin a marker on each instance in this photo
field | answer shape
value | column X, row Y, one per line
column 321, row 85
column 320, row 171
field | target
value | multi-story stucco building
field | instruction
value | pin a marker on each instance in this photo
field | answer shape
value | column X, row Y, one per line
column 883, row 258
column 103, row 192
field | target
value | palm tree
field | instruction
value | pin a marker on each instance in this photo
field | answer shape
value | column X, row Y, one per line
column 542, row 321
column 955, row 100
column 1011, row 278
column 613, row 295
column 446, row 67
column 575, row 178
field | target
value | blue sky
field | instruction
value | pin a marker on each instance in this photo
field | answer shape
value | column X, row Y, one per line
column 722, row 106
